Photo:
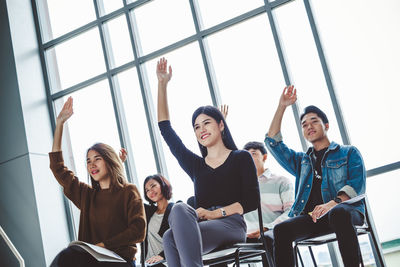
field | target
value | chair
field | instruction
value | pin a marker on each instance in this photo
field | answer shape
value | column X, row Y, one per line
column 239, row 252
column 367, row 228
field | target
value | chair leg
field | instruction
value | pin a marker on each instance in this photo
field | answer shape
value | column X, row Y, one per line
column 266, row 261
column 312, row 256
column 297, row 253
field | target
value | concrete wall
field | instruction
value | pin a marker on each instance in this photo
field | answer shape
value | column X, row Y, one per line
column 31, row 203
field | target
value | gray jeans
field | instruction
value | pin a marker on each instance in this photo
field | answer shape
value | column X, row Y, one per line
column 187, row 239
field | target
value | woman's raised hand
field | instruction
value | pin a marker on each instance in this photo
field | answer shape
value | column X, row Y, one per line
column 62, row 117
column 163, row 75
column 123, row 154
column 224, row 110
column 288, row 96
column 66, row 111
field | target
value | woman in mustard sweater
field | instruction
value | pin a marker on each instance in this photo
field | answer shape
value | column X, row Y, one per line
column 112, row 214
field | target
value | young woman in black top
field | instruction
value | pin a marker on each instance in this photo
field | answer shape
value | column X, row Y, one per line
column 225, row 183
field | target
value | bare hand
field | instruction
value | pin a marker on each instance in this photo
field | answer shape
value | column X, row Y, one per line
column 288, row 96
column 255, row 234
column 206, row 214
column 123, row 154
column 155, row 259
column 224, row 110
column 320, row 210
column 163, row 75
column 66, row 112
column 101, row 244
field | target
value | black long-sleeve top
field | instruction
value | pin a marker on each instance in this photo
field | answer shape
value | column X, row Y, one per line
column 233, row 181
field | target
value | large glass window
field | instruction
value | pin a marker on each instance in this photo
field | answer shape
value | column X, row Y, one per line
column 119, row 44
column 383, row 199
column 75, row 60
column 362, row 49
column 59, row 17
column 214, row 12
column 161, row 23
column 237, row 64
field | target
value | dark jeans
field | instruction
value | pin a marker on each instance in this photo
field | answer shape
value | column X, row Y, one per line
column 340, row 220
column 78, row 257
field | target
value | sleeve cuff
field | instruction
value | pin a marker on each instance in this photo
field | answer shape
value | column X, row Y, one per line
column 164, row 123
column 348, row 190
column 56, row 157
column 276, row 138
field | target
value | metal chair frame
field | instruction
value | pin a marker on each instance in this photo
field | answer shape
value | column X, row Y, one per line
column 367, row 228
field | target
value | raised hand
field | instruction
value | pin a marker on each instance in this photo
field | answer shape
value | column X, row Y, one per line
column 123, row 154
column 288, row 96
column 66, row 112
column 224, row 110
column 163, row 75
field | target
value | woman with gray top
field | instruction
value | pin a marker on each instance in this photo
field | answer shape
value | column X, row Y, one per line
column 157, row 191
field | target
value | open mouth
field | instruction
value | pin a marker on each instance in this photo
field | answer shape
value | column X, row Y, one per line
column 204, row 136
column 94, row 172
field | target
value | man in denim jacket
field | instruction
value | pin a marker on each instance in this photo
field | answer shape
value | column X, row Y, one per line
column 326, row 175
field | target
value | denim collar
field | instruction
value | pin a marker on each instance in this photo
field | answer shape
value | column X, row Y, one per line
column 332, row 146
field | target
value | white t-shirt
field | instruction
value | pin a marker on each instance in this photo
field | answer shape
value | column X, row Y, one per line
column 154, row 240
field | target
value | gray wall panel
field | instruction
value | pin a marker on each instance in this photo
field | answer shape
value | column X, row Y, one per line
column 19, row 211
column 52, row 218
column 12, row 131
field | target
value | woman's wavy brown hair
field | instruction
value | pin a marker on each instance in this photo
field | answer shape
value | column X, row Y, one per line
column 114, row 166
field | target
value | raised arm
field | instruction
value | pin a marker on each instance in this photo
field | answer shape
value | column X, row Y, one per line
column 64, row 115
column 288, row 98
column 163, row 77
column 224, row 110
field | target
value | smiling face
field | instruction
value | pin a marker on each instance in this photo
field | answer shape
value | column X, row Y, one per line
column 314, row 129
column 153, row 190
column 207, row 130
column 96, row 166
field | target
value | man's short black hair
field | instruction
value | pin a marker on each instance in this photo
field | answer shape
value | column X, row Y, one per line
column 256, row 145
column 314, row 109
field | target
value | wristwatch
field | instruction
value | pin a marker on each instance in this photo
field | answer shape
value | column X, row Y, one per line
column 223, row 212
column 338, row 200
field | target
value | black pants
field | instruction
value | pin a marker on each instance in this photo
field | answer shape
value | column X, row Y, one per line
column 78, row 257
column 340, row 220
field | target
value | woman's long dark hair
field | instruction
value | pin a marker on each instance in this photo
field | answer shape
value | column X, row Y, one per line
column 216, row 115
column 114, row 166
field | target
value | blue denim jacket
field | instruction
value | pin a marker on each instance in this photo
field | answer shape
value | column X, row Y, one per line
column 342, row 171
